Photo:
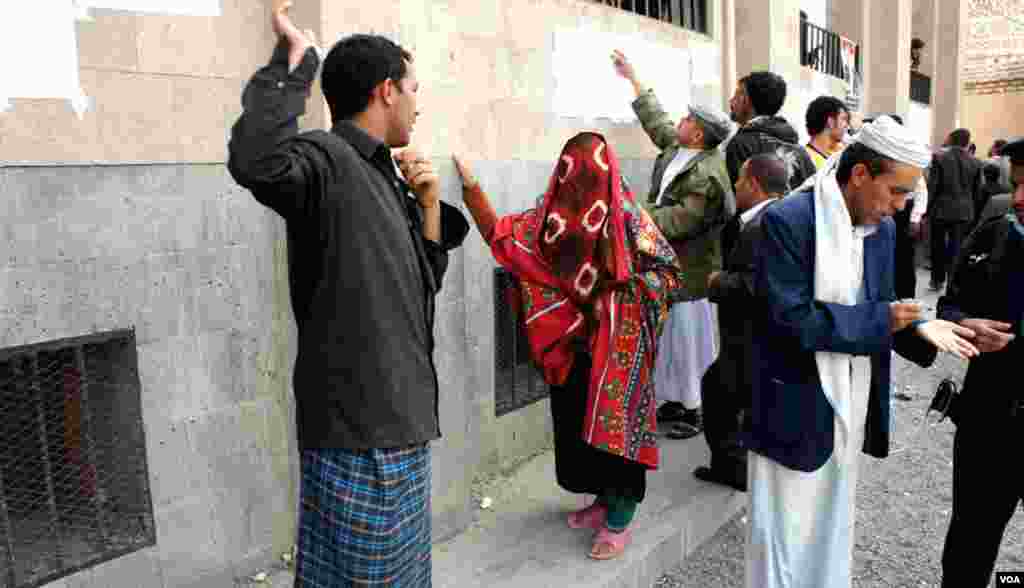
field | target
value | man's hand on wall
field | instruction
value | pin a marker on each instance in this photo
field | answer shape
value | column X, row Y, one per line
column 298, row 41
column 625, row 69
column 622, row 65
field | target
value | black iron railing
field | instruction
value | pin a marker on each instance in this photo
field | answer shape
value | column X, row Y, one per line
column 689, row 14
column 74, row 485
column 920, row 88
column 822, row 50
column 517, row 382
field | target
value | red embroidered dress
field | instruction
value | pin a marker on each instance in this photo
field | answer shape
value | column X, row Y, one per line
column 595, row 272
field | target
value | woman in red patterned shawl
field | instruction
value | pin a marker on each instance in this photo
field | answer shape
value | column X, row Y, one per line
column 595, row 278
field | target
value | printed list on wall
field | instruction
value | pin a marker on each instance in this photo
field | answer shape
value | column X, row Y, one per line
column 586, row 85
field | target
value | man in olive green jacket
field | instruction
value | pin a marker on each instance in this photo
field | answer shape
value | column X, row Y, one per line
column 690, row 200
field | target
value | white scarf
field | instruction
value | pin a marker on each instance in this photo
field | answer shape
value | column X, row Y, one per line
column 838, row 278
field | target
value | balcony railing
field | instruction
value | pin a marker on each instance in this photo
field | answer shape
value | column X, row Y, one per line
column 689, row 14
column 920, row 88
column 825, row 51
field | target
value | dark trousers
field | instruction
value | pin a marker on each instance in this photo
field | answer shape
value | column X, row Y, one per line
column 986, row 493
column 723, row 417
column 906, row 274
column 579, row 467
column 946, row 237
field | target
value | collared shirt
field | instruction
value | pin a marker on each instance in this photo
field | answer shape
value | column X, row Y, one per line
column 683, row 156
column 753, row 210
column 362, row 276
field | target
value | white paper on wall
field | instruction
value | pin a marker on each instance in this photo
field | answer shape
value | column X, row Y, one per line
column 707, row 64
column 587, row 86
column 178, row 7
column 40, row 52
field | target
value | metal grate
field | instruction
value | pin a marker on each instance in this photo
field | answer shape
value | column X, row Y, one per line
column 517, row 382
column 74, row 485
column 689, row 14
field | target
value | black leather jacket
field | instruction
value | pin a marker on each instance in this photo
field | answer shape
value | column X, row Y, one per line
column 766, row 134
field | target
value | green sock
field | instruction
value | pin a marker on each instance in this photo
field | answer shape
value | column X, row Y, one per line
column 620, row 512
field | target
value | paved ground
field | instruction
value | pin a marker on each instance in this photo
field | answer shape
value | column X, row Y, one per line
column 904, row 503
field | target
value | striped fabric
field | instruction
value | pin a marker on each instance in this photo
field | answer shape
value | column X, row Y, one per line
column 364, row 518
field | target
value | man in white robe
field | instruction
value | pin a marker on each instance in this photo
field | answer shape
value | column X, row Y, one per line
column 822, row 348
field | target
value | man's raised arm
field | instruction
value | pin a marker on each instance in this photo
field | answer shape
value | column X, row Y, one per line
column 260, row 158
column 655, row 120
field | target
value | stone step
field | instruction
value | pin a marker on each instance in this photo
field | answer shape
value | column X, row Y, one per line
column 522, row 539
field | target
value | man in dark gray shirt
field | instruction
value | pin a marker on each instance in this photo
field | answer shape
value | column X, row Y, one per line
column 953, row 184
column 367, row 251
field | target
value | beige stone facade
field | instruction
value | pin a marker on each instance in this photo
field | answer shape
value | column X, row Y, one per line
column 992, row 115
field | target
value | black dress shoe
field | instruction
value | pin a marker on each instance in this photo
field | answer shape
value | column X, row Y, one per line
column 671, row 412
column 690, row 425
column 718, row 477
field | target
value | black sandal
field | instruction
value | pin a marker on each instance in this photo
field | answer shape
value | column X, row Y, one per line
column 690, row 425
column 671, row 412
column 683, row 431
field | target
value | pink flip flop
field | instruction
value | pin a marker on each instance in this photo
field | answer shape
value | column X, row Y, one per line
column 617, row 541
column 592, row 517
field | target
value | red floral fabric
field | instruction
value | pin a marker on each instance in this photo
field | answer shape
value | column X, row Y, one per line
column 594, row 272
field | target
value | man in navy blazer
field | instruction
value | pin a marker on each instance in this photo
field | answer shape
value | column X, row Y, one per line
column 792, row 420
column 825, row 279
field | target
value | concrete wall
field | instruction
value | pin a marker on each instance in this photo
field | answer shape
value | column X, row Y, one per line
column 990, row 117
column 800, row 92
column 127, row 217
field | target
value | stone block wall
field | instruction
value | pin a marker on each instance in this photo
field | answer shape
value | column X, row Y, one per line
column 189, row 261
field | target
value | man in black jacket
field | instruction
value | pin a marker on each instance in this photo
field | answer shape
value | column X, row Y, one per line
column 367, row 250
column 953, row 184
column 986, row 295
column 754, row 106
column 725, row 388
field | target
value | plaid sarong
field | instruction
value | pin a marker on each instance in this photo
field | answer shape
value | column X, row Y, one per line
column 364, row 518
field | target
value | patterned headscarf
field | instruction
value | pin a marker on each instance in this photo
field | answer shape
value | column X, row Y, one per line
column 594, row 271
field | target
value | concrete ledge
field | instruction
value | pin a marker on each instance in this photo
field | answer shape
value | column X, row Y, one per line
column 522, row 540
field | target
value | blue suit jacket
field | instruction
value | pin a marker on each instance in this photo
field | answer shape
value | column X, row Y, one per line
column 791, row 420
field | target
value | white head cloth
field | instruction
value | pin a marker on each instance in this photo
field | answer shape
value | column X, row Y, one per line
column 891, row 139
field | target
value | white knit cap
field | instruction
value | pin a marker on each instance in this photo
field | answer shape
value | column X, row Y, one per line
column 891, row 139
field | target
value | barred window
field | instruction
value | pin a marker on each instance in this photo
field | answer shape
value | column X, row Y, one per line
column 74, row 483
column 517, row 382
column 689, row 14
